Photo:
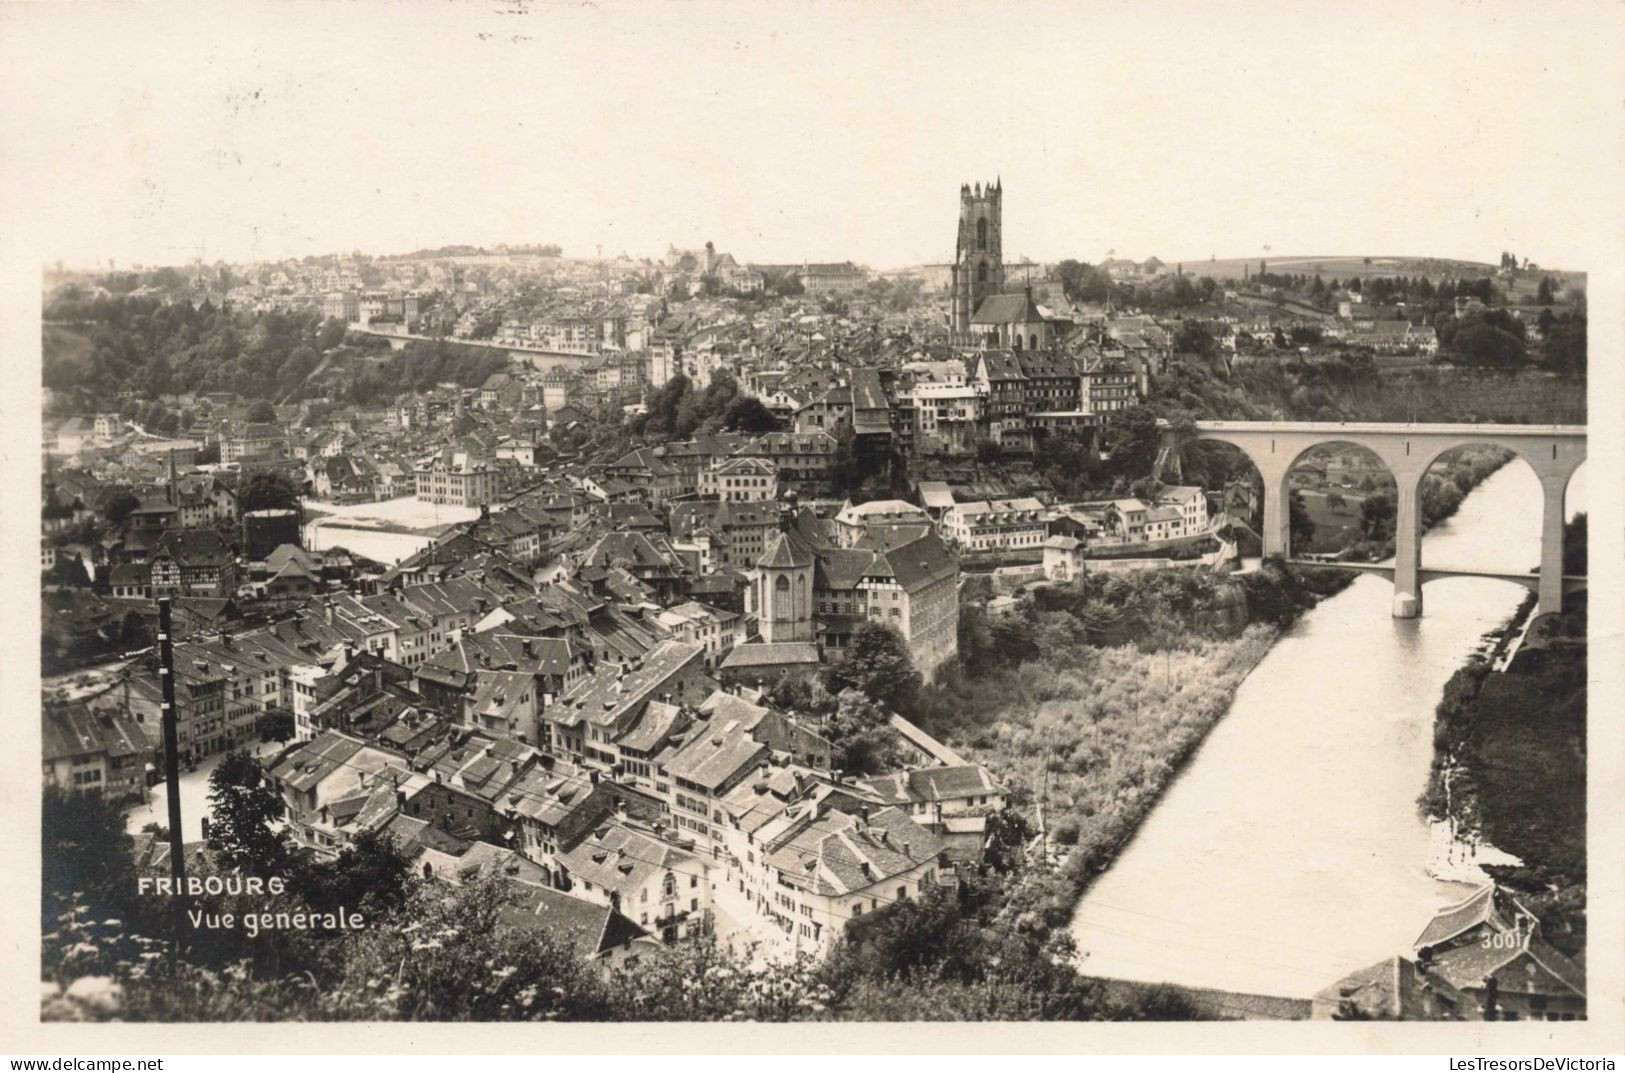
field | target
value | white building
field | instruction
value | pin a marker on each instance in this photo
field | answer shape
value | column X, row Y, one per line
column 998, row 525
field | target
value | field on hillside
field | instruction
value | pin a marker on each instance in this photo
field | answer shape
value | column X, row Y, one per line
column 1338, row 267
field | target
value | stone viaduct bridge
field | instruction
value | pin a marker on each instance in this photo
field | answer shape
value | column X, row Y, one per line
column 1554, row 452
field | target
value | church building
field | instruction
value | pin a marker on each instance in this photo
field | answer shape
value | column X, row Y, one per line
column 982, row 313
column 809, row 597
column 978, row 268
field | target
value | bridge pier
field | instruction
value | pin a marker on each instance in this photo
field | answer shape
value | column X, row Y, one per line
column 1277, row 532
column 1408, row 546
column 1553, row 487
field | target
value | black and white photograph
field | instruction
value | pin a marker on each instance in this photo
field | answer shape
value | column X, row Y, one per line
column 811, row 518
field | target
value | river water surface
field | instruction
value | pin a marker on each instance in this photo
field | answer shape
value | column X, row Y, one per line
column 1290, row 852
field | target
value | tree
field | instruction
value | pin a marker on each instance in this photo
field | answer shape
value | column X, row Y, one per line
column 262, row 412
column 1564, row 346
column 85, row 850
column 1081, row 282
column 1545, row 321
column 242, row 807
column 117, row 508
column 1543, row 293
column 860, row 735
column 1133, row 440
column 275, row 724
column 1194, row 338
column 879, row 664
column 1335, row 500
column 1574, row 546
column 371, row 875
column 1300, row 528
column 267, row 490
column 332, row 334
column 747, row 413
column 133, row 632
column 1377, row 517
column 1478, row 343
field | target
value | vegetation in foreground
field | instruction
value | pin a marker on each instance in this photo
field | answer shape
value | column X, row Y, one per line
column 436, row 952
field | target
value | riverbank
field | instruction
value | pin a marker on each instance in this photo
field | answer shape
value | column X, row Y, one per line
column 1091, row 698
column 1290, row 850
column 1509, row 768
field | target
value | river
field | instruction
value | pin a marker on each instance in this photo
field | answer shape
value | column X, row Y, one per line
column 1290, row 851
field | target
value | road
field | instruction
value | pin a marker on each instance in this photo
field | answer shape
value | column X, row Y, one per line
column 194, row 799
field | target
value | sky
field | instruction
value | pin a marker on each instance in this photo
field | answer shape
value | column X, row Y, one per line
column 152, row 133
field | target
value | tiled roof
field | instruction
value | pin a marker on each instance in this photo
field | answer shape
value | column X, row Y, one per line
column 1453, row 920
column 785, row 552
column 787, row 653
column 1008, row 309
column 585, row 927
column 77, row 731
column 839, row 852
column 714, row 752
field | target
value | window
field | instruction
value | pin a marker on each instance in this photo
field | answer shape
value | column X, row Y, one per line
column 981, row 240
column 981, row 273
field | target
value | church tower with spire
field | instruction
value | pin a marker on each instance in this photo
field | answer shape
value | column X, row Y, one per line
column 978, row 268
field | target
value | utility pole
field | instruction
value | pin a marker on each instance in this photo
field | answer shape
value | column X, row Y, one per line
column 172, row 772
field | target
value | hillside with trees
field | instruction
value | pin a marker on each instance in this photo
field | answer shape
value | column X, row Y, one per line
column 98, row 348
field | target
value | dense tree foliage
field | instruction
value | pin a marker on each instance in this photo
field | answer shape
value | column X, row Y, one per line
column 878, row 663
column 154, row 347
column 85, row 853
column 264, row 489
column 676, row 411
column 243, row 809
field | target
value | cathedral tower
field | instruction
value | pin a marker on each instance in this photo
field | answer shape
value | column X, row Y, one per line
column 978, row 269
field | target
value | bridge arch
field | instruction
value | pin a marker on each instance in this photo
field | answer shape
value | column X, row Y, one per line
column 1275, row 457
column 1389, row 484
column 1554, row 452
